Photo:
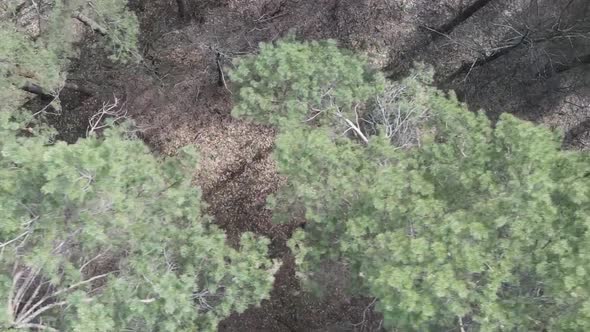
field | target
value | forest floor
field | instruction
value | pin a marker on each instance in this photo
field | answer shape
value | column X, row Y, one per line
column 177, row 97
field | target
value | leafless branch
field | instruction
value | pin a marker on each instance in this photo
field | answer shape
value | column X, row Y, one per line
column 30, row 310
column 90, row 22
column 352, row 125
column 220, row 71
column 51, row 103
column 14, row 239
column 108, row 110
column 93, row 259
column 398, row 122
column 362, row 323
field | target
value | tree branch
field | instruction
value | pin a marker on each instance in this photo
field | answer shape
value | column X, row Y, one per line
column 462, row 17
column 356, row 129
column 90, row 23
column 182, row 11
column 33, row 312
column 43, row 93
column 36, row 89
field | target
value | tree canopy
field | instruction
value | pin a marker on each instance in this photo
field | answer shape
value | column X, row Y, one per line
column 102, row 235
column 38, row 61
column 475, row 226
column 294, row 81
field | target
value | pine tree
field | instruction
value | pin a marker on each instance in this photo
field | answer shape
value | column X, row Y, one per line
column 39, row 63
column 101, row 235
column 293, row 81
column 475, row 227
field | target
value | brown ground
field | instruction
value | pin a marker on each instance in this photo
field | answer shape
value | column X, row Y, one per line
column 176, row 99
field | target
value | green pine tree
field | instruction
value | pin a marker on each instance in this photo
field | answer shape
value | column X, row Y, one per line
column 473, row 226
column 101, row 235
column 39, row 63
column 293, row 81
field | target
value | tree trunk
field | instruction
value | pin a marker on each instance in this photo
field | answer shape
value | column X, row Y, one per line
column 35, row 89
column 448, row 27
column 182, row 9
column 467, row 67
column 91, row 23
column 580, row 61
column 43, row 93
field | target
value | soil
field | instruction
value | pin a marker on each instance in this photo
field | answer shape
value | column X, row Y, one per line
column 177, row 97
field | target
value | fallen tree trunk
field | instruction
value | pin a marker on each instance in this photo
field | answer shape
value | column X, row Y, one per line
column 90, row 23
column 36, row 89
column 434, row 33
column 463, row 16
column 580, row 61
column 182, row 10
column 44, row 93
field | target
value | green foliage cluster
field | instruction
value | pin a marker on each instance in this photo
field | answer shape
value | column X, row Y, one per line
column 103, row 236
column 122, row 27
column 481, row 227
column 18, row 51
column 290, row 81
column 42, row 59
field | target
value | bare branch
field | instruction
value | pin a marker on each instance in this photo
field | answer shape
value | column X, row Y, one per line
column 93, row 259
column 14, row 240
column 108, row 110
column 356, row 129
column 25, row 319
column 221, row 81
column 90, row 22
column 22, row 289
column 399, row 123
column 11, row 310
column 33, row 312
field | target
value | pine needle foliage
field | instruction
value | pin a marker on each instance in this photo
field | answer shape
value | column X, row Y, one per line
column 101, row 235
column 290, row 81
column 43, row 59
column 480, row 227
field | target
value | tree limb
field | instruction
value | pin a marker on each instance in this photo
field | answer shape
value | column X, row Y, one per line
column 33, row 312
column 42, row 92
column 36, row 89
column 182, row 11
column 459, row 19
column 90, row 23
column 356, row 129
